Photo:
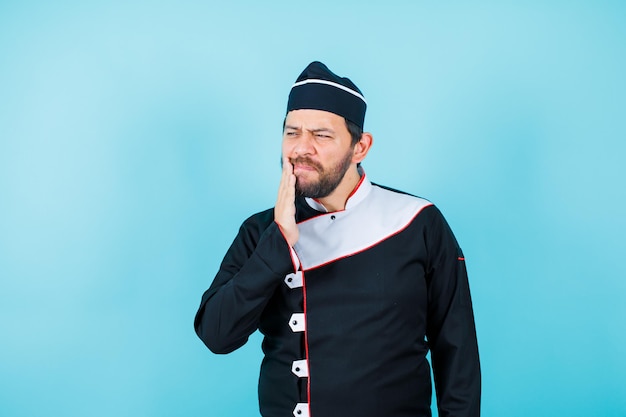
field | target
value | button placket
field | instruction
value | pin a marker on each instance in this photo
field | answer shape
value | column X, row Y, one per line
column 296, row 322
column 294, row 280
column 300, row 368
column 301, row 410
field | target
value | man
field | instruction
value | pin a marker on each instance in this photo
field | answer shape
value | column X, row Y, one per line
column 350, row 283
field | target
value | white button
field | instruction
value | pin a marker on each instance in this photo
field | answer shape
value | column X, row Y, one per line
column 296, row 322
column 301, row 410
column 300, row 368
column 294, row 280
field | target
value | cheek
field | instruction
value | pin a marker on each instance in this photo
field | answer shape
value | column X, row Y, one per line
column 286, row 149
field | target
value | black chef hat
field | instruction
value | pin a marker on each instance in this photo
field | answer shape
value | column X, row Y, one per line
column 319, row 88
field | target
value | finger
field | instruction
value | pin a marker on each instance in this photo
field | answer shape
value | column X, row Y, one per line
column 292, row 183
column 284, row 179
column 287, row 166
column 286, row 188
column 288, row 178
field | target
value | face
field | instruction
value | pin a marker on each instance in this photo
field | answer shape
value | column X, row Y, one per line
column 318, row 145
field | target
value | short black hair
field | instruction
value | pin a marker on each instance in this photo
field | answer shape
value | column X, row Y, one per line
column 355, row 130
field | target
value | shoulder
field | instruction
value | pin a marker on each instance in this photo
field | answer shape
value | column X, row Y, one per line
column 259, row 221
column 394, row 191
column 394, row 199
column 424, row 210
column 253, row 228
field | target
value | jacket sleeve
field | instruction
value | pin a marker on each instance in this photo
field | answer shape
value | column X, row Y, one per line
column 451, row 331
column 255, row 264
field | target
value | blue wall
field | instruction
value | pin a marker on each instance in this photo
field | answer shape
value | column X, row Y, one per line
column 136, row 136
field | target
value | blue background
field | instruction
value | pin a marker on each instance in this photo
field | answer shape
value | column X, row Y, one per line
column 135, row 136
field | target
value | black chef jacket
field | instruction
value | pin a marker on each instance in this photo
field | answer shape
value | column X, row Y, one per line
column 349, row 314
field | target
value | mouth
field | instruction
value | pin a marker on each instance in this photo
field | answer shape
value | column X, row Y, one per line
column 303, row 168
column 304, row 165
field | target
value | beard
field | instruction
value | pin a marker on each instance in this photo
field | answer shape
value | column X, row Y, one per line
column 329, row 178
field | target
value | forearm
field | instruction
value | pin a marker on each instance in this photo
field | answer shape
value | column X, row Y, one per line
column 231, row 308
column 451, row 330
column 456, row 366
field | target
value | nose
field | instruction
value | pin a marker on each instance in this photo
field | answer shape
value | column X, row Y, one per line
column 303, row 145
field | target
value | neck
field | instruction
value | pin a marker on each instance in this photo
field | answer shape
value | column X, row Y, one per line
column 337, row 200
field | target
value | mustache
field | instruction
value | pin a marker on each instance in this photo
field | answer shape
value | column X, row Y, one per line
column 306, row 161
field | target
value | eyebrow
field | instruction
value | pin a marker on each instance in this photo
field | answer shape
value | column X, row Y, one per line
column 322, row 130
column 318, row 130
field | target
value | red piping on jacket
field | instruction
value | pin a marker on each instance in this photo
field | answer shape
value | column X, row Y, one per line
column 306, row 345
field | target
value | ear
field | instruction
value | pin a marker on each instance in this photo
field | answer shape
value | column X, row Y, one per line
column 362, row 147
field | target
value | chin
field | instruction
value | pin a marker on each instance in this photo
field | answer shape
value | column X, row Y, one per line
column 306, row 180
column 307, row 189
